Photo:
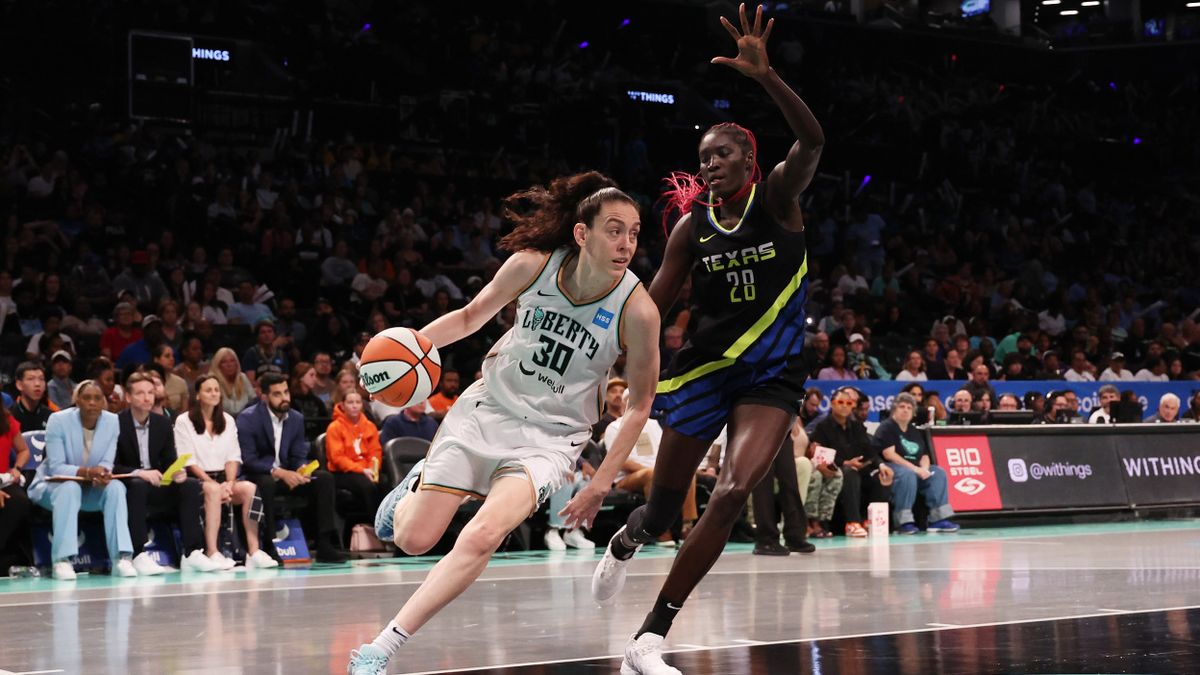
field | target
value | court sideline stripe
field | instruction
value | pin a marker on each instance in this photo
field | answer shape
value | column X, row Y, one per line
column 414, row 582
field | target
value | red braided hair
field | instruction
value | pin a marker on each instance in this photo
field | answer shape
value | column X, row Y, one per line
column 684, row 189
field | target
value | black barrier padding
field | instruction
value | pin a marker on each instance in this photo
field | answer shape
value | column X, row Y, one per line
column 1055, row 472
column 1160, row 469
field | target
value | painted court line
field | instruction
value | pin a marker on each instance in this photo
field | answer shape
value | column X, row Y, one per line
column 377, row 583
column 1013, row 622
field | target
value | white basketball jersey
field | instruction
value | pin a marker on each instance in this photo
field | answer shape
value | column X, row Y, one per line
column 552, row 367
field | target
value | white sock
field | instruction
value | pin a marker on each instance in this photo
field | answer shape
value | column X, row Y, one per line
column 391, row 639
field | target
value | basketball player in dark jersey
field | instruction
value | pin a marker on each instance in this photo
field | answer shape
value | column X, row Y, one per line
column 742, row 240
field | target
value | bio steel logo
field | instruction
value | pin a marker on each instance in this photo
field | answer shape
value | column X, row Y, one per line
column 966, row 464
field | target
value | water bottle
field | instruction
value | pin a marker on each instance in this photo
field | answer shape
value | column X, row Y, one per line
column 23, row 572
column 932, row 416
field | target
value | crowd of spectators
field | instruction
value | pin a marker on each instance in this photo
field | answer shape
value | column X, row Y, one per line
column 1010, row 231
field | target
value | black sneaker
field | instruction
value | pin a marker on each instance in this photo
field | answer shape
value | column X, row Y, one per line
column 330, row 554
column 770, row 548
column 800, row 547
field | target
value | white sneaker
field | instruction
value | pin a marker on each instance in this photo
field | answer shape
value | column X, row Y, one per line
column 196, row 561
column 609, row 577
column 124, row 568
column 643, row 656
column 64, row 571
column 147, row 566
column 260, row 560
column 222, row 563
column 554, row 540
column 575, row 539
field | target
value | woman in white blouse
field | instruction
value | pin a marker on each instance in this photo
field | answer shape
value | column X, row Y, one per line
column 209, row 434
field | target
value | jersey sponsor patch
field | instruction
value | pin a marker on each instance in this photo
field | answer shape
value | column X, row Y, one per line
column 603, row 318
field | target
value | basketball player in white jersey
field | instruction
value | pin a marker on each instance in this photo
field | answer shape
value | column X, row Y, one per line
column 512, row 437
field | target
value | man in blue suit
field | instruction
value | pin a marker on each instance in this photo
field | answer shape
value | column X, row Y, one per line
column 273, row 450
column 81, row 443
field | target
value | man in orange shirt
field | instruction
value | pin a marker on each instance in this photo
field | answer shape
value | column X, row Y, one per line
column 447, row 394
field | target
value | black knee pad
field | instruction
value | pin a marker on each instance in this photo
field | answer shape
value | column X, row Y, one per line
column 647, row 522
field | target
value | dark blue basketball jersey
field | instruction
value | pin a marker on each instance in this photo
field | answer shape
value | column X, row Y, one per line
column 750, row 285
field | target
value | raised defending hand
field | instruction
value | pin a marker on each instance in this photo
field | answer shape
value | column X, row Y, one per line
column 751, row 59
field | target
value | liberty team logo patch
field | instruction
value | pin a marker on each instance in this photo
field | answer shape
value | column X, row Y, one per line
column 603, row 318
column 538, row 315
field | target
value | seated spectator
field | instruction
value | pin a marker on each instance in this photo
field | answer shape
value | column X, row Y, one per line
column 637, row 474
column 1081, row 369
column 963, row 401
column 1193, row 411
column 237, row 392
column 447, row 394
column 1168, row 409
column 856, row 458
column 979, row 383
column 141, row 281
column 1116, row 372
column 146, row 449
column 273, row 449
column 290, row 330
column 951, row 368
column 121, row 334
column 1036, row 402
column 304, row 378
column 1104, row 413
column 168, row 311
column 1155, row 370
column 815, row 354
column 821, row 494
column 1013, row 368
column 61, row 386
column 268, row 349
column 934, row 400
column 614, row 406
column 32, row 408
column 1051, row 369
column 835, row 368
column 1058, row 409
column 324, row 382
column 906, row 451
column 210, row 436
column 862, row 412
column 82, row 442
column 354, row 452
column 247, row 311
column 1009, row 401
column 191, row 360
column 982, row 403
column 155, row 371
column 103, row 373
column 51, row 328
column 914, row 368
column 176, row 387
column 810, row 407
column 410, row 422
column 864, row 366
column 141, row 351
column 14, row 502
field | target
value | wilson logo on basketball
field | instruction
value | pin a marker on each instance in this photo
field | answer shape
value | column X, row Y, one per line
column 370, row 380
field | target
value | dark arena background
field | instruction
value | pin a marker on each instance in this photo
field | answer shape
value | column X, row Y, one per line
column 1004, row 223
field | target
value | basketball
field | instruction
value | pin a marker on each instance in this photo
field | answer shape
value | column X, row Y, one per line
column 400, row 367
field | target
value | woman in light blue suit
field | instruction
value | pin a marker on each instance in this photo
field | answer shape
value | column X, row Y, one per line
column 82, row 442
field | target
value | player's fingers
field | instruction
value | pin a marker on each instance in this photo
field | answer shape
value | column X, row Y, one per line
column 722, row 61
column 745, row 21
column 767, row 32
column 758, row 20
column 733, row 32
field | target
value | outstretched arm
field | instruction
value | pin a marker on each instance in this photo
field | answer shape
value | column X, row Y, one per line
column 514, row 276
column 789, row 178
column 641, row 369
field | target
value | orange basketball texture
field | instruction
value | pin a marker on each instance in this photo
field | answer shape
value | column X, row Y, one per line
column 400, row 367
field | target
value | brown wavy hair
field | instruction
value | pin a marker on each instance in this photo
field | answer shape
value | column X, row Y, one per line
column 545, row 217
